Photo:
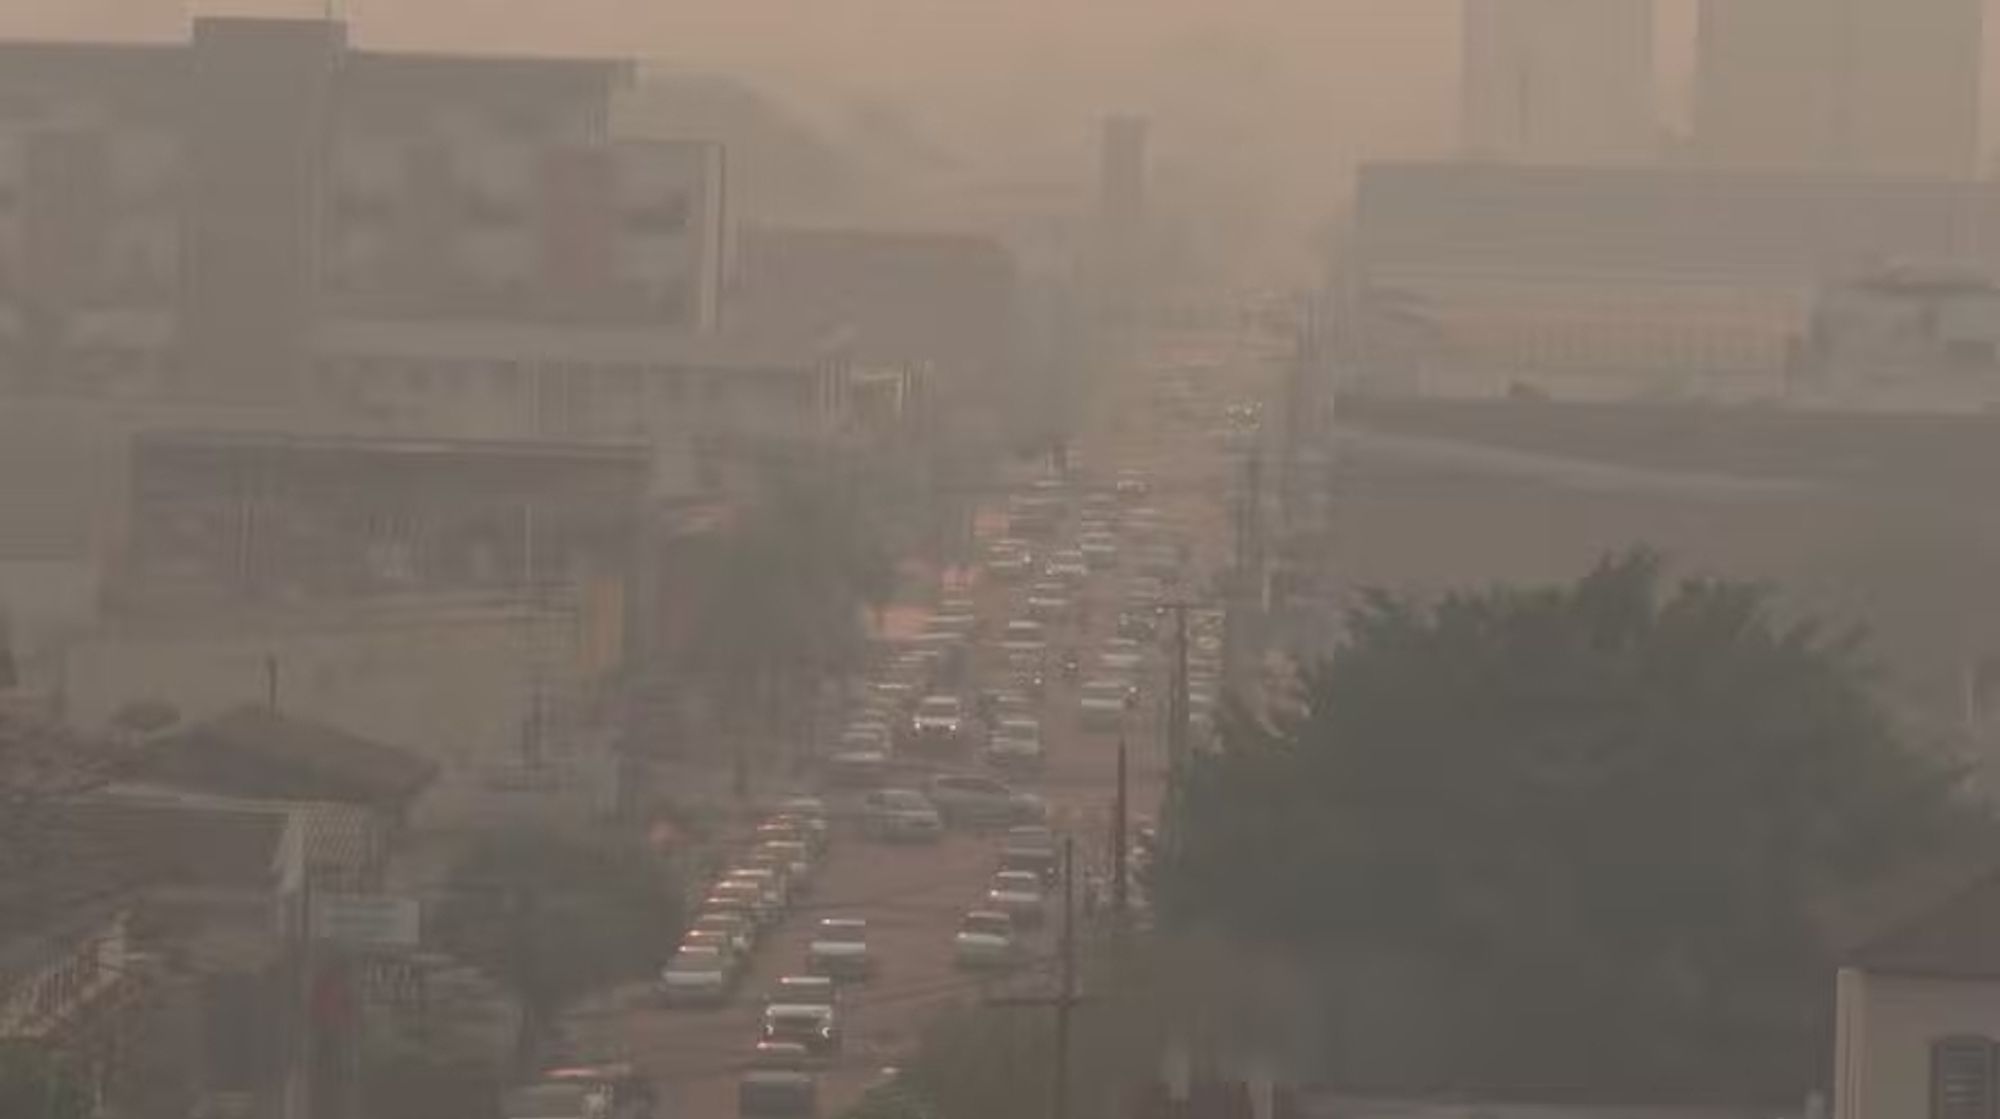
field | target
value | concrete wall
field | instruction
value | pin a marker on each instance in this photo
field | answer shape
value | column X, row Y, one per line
column 1884, row 1031
column 453, row 684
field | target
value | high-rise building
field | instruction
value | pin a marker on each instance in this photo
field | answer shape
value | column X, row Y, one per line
column 1559, row 81
column 1874, row 87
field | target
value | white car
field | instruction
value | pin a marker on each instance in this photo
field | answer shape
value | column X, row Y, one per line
column 1102, row 703
column 696, row 976
column 938, row 721
column 901, row 815
column 1068, row 565
column 985, row 940
column 1048, row 601
column 1015, row 742
column 1018, row 894
column 556, row 1101
column 1023, row 635
column 1122, row 656
column 778, row 1084
column 972, row 801
column 1100, row 552
column 951, row 625
column 839, row 949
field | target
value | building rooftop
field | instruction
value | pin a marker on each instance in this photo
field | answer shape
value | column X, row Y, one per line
column 1939, row 917
column 254, row 751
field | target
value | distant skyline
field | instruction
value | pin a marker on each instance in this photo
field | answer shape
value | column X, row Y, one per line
column 1263, row 106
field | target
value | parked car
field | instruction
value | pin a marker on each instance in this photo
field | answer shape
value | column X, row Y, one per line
column 774, row 881
column 790, row 856
column 697, row 976
column 753, row 896
column 1018, row 894
column 1016, row 743
column 778, row 1083
column 716, row 939
column 811, row 810
column 839, row 949
column 972, row 800
column 901, row 815
column 1031, row 848
column 985, row 940
column 741, row 931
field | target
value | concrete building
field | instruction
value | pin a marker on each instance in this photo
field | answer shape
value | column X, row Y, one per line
column 1917, row 1000
column 1905, row 334
column 1869, row 87
column 186, row 220
column 1558, row 81
column 1617, row 282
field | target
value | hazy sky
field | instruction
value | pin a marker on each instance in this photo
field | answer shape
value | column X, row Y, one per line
column 1274, row 98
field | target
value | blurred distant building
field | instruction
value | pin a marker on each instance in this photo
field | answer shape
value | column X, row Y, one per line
column 941, row 300
column 1871, row 87
column 1485, row 280
column 191, row 220
column 1559, row 81
column 1906, row 333
column 1123, row 244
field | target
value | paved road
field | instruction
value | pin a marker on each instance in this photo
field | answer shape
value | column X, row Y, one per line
column 913, row 896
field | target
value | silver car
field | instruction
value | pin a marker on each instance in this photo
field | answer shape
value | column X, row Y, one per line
column 970, row 800
column 905, row 815
column 985, row 940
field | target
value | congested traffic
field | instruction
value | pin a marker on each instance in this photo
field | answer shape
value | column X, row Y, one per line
column 918, row 862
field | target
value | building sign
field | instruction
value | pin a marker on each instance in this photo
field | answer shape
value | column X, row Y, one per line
column 366, row 920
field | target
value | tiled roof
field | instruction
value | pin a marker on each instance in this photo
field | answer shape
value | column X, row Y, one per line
column 254, row 751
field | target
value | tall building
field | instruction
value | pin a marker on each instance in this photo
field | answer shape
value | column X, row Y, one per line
column 214, row 220
column 1872, row 87
column 1559, row 81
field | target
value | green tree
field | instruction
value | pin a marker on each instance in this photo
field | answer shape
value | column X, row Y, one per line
column 35, row 1083
column 790, row 582
column 1573, row 837
column 553, row 917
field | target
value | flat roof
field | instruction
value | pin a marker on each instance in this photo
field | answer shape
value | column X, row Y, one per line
column 203, row 439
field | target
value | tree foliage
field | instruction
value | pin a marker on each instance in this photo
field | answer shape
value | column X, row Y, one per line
column 36, row 1082
column 554, row 917
column 1572, row 838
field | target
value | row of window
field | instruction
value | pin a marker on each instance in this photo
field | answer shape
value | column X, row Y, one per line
column 510, row 379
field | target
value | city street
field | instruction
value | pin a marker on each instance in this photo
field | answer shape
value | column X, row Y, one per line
column 913, row 896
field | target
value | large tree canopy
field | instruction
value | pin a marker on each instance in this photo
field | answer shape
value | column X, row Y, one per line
column 1565, row 839
column 554, row 917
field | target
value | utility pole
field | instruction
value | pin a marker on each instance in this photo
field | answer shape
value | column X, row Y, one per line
column 1177, row 700
column 1065, row 1000
column 1120, row 831
column 1066, row 995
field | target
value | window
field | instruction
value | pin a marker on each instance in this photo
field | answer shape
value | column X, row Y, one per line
column 1962, row 1078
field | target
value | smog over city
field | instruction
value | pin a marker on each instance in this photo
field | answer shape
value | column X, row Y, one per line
column 961, row 559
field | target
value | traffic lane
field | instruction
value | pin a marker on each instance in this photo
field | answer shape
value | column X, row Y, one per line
column 912, row 897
